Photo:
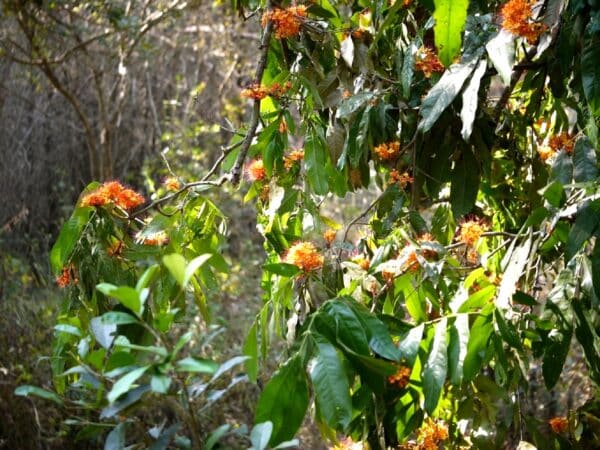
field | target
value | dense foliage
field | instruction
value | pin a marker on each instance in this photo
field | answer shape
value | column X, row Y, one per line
column 414, row 325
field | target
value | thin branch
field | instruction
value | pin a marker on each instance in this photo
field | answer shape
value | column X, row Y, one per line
column 360, row 216
column 236, row 172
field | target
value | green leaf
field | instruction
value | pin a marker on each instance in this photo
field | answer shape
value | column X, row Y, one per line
column 470, row 99
column 436, row 368
column 507, row 330
column 67, row 238
column 69, row 329
column 176, row 265
column 283, row 269
column 457, row 348
column 501, row 51
column 378, row 335
column 464, row 184
column 125, row 383
column 348, row 328
column 590, row 73
column 26, row 390
column 250, row 349
column 555, row 354
column 331, row 386
column 117, row 318
column 284, row 401
column 215, row 436
column 513, row 272
column 116, row 438
column 353, row 104
column 195, row 365
column 586, row 224
column 409, row 345
column 562, row 169
column 315, row 162
column 260, row 435
column 147, row 277
column 444, row 93
column 194, row 265
column 478, row 343
column 160, row 384
column 584, row 160
column 450, row 18
column 478, row 299
column 127, row 296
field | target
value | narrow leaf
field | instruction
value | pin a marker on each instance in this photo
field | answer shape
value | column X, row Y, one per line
column 470, row 99
column 501, row 51
column 26, row 390
column 436, row 368
column 125, row 383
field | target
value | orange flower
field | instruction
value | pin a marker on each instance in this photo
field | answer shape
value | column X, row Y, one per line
column 283, row 127
column 305, row 256
column 347, row 444
column 431, row 434
column 363, row 263
column 346, row 94
column 67, row 277
column 172, row 184
column 329, row 236
column 428, row 62
column 563, row 141
column 401, row 179
column 401, row 377
column 255, row 91
column 388, row 150
column 559, row 424
column 113, row 192
column 411, row 262
column 471, row 230
column 286, row 22
column 427, row 252
column 255, row 170
column 292, row 158
column 517, row 18
column 95, row 199
column 158, row 238
column 546, row 153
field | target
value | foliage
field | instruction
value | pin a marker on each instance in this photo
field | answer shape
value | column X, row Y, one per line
column 421, row 330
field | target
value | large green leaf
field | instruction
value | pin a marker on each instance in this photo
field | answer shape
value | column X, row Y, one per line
column 464, row 184
column 450, row 17
column 331, row 386
column 470, row 99
column 125, row 383
column 457, row 348
column 27, row 390
column 127, row 296
column 284, row 401
column 196, row 365
column 67, row 238
column 584, row 160
column 555, row 354
column 116, row 438
column 501, row 51
column 477, row 347
column 586, row 224
column 348, row 328
column 444, row 93
column 409, row 345
column 590, row 73
column 436, row 367
column 315, row 162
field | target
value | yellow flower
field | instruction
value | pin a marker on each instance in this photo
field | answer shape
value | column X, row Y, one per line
column 172, row 184
column 329, row 236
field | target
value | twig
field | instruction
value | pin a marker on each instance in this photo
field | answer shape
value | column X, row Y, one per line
column 360, row 216
column 236, row 172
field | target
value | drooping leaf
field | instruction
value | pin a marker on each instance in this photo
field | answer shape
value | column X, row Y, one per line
column 501, row 51
column 457, row 348
column 450, row 17
column 590, row 73
column 555, row 354
column 195, row 365
column 67, row 238
column 315, row 162
column 470, row 98
column 378, row 335
column 562, row 169
column 512, row 273
column 260, row 435
column 284, row 401
column 464, row 184
column 586, row 224
column 331, row 386
column 444, row 93
column 436, row 367
column 116, row 438
column 127, row 296
column 409, row 344
column 477, row 347
column 584, row 160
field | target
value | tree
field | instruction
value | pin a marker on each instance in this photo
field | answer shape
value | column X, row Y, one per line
column 476, row 122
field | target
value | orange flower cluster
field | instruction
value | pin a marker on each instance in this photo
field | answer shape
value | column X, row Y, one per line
column 67, row 277
column 347, row 444
column 412, row 262
column 172, row 184
column 563, row 141
column 388, row 150
column 305, row 256
column 256, row 171
column 113, row 192
column 428, row 62
column 259, row 91
column 156, row 239
column 517, row 18
column 292, row 158
column 559, row 424
column 286, row 22
column 431, row 434
column 546, row 153
column 401, row 179
column 471, row 230
column 427, row 252
column 329, row 236
column 401, row 377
